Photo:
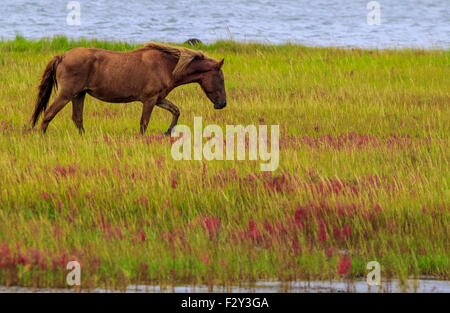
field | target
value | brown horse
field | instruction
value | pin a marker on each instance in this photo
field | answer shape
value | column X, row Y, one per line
column 147, row 75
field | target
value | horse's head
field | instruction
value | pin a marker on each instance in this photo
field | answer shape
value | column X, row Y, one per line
column 213, row 84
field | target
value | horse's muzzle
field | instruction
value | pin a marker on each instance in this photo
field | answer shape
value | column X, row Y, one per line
column 220, row 105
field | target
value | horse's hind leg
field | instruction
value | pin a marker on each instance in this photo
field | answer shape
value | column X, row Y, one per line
column 147, row 109
column 77, row 111
column 57, row 105
column 172, row 108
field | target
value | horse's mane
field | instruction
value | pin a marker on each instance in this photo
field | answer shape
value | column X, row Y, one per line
column 185, row 56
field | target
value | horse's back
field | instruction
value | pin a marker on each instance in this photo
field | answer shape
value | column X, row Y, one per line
column 85, row 62
column 78, row 55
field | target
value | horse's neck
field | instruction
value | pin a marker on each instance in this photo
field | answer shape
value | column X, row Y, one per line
column 194, row 72
column 188, row 79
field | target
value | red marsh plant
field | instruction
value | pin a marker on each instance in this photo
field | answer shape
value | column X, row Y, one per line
column 211, row 224
column 348, row 141
column 345, row 265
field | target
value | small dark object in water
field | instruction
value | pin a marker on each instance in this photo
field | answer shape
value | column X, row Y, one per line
column 193, row 41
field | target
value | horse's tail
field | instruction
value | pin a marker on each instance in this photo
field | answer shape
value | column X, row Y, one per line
column 45, row 88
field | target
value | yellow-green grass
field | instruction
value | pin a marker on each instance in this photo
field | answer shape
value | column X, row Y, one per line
column 363, row 175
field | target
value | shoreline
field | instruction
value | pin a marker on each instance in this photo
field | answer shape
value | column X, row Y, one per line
column 70, row 42
column 358, row 286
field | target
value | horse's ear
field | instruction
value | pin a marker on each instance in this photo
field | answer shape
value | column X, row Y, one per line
column 220, row 64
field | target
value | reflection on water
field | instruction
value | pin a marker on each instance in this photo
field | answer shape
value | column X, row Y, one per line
column 307, row 287
column 422, row 285
column 403, row 23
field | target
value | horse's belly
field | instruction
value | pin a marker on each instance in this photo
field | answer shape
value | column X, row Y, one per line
column 111, row 97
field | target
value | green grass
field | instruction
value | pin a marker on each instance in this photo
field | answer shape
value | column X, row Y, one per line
column 364, row 171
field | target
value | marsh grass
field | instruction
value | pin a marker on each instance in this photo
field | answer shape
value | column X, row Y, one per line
column 364, row 174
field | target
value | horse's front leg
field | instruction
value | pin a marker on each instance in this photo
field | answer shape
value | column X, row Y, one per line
column 172, row 108
column 147, row 109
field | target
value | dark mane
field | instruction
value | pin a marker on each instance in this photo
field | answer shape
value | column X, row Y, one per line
column 184, row 55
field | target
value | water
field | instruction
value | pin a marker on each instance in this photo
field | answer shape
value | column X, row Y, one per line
column 422, row 285
column 404, row 23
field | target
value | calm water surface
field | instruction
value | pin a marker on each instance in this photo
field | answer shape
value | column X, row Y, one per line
column 422, row 285
column 404, row 23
